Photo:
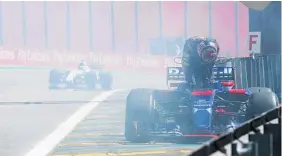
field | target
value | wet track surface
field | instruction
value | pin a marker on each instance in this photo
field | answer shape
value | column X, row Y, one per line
column 101, row 133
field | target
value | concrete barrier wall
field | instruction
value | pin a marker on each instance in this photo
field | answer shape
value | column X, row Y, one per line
column 120, row 26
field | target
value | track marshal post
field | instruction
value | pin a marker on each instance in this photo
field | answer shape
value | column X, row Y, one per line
column 254, row 42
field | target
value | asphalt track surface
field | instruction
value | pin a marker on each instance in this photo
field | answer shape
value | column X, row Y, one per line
column 101, row 133
column 24, row 124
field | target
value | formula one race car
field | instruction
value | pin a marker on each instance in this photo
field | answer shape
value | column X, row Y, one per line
column 83, row 77
column 204, row 113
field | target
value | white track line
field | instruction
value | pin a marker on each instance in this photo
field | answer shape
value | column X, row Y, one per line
column 50, row 142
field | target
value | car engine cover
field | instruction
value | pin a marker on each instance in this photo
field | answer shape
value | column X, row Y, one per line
column 202, row 111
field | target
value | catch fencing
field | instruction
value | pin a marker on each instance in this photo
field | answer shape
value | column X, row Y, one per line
column 262, row 71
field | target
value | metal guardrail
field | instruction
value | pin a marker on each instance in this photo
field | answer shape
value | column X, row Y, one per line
column 264, row 71
column 266, row 143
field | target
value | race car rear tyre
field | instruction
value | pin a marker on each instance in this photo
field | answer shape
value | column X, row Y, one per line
column 90, row 79
column 259, row 103
column 259, row 89
column 138, row 113
column 106, row 81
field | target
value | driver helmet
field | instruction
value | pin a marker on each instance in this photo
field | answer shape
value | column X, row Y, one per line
column 208, row 50
column 81, row 64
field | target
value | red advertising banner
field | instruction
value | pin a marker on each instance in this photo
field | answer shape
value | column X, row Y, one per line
column 58, row 59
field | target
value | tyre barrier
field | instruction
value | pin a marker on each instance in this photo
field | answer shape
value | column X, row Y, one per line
column 262, row 142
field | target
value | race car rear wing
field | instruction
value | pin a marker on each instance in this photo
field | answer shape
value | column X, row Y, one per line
column 224, row 73
column 175, row 74
column 219, row 74
column 95, row 66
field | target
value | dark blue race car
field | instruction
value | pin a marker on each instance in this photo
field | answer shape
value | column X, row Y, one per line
column 183, row 112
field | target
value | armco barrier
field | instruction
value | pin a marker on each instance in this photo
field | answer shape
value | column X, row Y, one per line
column 266, row 143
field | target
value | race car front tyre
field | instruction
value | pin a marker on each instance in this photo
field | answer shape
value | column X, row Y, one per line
column 138, row 115
column 260, row 102
column 54, row 77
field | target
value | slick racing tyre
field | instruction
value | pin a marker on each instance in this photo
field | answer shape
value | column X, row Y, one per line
column 55, row 78
column 259, row 89
column 90, row 80
column 260, row 102
column 137, row 117
column 106, row 81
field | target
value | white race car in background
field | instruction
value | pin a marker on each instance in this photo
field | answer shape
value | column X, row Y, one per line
column 84, row 77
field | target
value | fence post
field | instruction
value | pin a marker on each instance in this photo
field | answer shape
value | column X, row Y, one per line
column 264, row 141
column 254, row 151
column 248, row 149
column 275, row 130
column 234, row 149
